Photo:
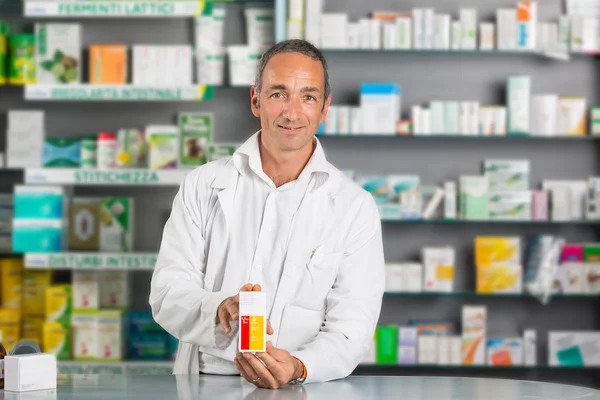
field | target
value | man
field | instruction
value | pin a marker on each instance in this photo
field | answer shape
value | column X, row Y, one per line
column 275, row 217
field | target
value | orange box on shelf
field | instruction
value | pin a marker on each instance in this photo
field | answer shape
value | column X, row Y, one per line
column 108, row 64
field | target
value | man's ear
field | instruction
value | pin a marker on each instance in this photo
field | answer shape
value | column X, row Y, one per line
column 254, row 101
column 325, row 109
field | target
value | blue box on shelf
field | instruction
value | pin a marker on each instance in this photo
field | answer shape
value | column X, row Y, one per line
column 148, row 346
column 39, row 202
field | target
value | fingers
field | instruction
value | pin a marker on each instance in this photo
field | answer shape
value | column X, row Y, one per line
column 228, row 311
column 269, row 328
column 278, row 354
column 247, row 287
column 265, row 375
column 256, row 288
column 223, row 315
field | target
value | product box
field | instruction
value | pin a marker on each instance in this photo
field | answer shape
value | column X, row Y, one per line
column 570, row 277
column 10, row 326
column 595, row 120
column 406, row 192
column 85, row 336
column 116, row 224
column 59, row 304
column 378, row 186
column 438, row 268
column 506, row 22
column 526, row 25
column 542, row 256
column 11, row 271
column 474, row 197
column 253, row 321
column 404, row 29
column 148, row 347
column 38, row 235
column 196, row 133
column 61, row 152
column 30, row 372
column 57, row 53
column 428, row 350
column 510, row 205
column 450, row 195
column 142, row 322
column 86, row 291
column 84, row 224
column 487, row 36
column 505, row 352
column 567, row 198
column 132, row 149
column 163, row 143
column 110, row 333
column 217, row 151
column 474, row 322
column 591, row 258
column 433, row 327
column 530, row 347
column 386, row 344
column 544, row 115
column 455, row 35
column 108, row 64
column 57, row 340
column 33, row 329
column 468, row 21
column 593, row 199
column 498, row 265
column 35, row 283
column 507, row 174
column 444, row 350
column 539, row 209
column 380, row 105
column 572, row 116
column 518, row 96
column 39, row 202
column 573, row 348
column 114, row 289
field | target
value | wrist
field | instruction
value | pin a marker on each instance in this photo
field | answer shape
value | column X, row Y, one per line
column 300, row 370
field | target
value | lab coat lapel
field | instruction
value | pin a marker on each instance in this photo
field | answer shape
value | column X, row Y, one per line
column 226, row 183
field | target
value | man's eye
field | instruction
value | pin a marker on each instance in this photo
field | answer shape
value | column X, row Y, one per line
column 310, row 98
column 276, row 95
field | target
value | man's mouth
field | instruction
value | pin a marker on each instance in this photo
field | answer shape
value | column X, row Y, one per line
column 290, row 128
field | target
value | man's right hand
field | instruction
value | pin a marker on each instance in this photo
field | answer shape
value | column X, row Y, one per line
column 229, row 309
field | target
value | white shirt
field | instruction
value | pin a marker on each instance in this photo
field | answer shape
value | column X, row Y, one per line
column 313, row 244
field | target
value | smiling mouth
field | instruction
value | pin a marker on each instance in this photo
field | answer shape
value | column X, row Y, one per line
column 289, row 128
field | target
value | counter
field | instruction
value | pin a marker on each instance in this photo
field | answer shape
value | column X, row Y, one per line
column 185, row 387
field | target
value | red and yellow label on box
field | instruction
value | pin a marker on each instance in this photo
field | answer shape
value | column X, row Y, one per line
column 252, row 333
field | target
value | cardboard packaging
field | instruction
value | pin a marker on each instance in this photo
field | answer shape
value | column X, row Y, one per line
column 253, row 322
column 116, row 224
column 163, row 144
column 108, row 64
column 29, row 372
column 474, row 322
column 196, row 133
column 84, row 224
column 58, row 53
column 86, row 291
column 438, row 265
column 11, row 270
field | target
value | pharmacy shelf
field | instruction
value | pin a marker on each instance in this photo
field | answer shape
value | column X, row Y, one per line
column 128, row 8
column 91, row 261
column 486, row 222
column 487, row 295
column 456, row 137
column 86, row 92
column 125, row 367
column 108, row 177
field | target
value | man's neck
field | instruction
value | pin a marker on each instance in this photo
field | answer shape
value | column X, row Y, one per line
column 284, row 168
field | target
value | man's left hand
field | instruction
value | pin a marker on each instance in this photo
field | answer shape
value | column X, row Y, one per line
column 269, row 370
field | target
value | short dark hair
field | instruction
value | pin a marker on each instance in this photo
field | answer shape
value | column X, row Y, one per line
column 293, row 46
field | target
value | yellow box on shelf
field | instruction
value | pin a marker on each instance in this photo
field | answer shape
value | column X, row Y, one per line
column 11, row 269
column 10, row 326
column 34, row 291
column 59, row 304
column 498, row 265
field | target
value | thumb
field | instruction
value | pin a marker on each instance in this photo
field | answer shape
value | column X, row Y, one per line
column 269, row 328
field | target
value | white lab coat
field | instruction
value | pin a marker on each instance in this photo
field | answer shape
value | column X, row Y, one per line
column 329, row 298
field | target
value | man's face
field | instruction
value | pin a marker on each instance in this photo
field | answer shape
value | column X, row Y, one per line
column 292, row 102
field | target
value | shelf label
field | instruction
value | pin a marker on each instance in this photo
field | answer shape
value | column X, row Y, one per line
column 94, row 8
column 130, row 368
column 92, row 261
column 119, row 93
column 116, row 177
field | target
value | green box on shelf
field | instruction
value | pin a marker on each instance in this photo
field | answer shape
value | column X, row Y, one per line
column 386, row 338
column 62, row 152
column 595, row 121
column 591, row 252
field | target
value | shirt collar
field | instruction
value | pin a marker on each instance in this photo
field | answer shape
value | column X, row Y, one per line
column 250, row 151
